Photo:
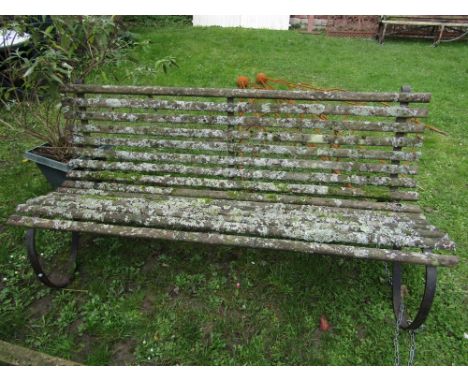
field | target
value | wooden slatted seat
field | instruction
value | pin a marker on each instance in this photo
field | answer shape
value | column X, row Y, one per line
column 317, row 172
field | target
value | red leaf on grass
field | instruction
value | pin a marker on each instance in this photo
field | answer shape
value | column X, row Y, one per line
column 324, row 325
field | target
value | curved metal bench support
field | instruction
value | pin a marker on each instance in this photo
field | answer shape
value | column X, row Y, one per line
column 462, row 34
column 426, row 302
column 53, row 281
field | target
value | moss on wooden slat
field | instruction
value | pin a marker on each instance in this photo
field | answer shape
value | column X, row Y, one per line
column 243, row 241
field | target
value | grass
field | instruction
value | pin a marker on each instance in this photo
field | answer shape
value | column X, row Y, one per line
column 152, row 302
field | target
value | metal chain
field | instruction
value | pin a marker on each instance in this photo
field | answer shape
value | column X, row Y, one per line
column 387, row 272
column 412, row 351
column 396, row 336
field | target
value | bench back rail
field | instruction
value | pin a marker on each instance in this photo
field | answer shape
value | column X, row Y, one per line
column 233, row 142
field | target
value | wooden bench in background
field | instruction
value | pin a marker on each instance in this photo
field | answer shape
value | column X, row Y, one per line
column 324, row 173
column 434, row 27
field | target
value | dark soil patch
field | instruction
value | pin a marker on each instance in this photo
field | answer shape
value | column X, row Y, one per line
column 40, row 307
column 74, row 326
column 233, row 255
column 60, row 155
column 85, row 345
column 151, row 263
column 148, row 303
column 207, row 330
column 123, row 353
column 317, row 337
column 361, row 332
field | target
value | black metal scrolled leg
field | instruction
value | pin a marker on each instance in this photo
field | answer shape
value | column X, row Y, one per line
column 53, row 281
column 426, row 302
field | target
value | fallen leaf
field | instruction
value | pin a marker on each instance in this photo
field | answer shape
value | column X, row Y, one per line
column 324, row 325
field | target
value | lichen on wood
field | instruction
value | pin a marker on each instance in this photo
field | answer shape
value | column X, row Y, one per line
column 247, row 107
column 349, row 251
column 262, row 175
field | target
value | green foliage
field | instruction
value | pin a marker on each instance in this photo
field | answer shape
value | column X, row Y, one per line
column 121, row 72
column 67, row 50
column 158, row 21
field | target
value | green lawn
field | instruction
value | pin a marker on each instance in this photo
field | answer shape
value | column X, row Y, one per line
column 137, row 301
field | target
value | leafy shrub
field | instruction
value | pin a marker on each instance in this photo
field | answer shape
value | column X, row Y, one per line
column 60, row 50
column 67, row 49
column 158, row 21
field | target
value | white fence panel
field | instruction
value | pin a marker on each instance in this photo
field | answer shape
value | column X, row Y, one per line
column 280, row 22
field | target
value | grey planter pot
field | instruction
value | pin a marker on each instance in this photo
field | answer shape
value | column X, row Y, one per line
column 54, row 171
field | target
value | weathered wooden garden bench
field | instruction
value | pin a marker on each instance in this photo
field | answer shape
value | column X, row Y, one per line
column 433, row 27
column 328, row 173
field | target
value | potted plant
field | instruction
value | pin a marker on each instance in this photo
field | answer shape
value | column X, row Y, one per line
column 53, row 155
column 59, row 50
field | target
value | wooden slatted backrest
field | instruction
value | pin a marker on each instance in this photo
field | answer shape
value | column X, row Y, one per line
column 270, row 142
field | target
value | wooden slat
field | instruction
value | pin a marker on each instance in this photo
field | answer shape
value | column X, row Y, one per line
column 91, row 187
column 272, row 214
column 224, row 184
column 187, row 217
column 208, row 183
column 398, row 212
column 255, row 149
column 256, row 174
column 288, row 163
column 246, row 107
column 425, row 17
column 247, row 122
column 339, row 125
column 15, row 355
column 236, row 240
column 425, row 23
column 232, row 135
column 321, row 225
column 249, row 93
column 337, row 219
column 224, row 134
